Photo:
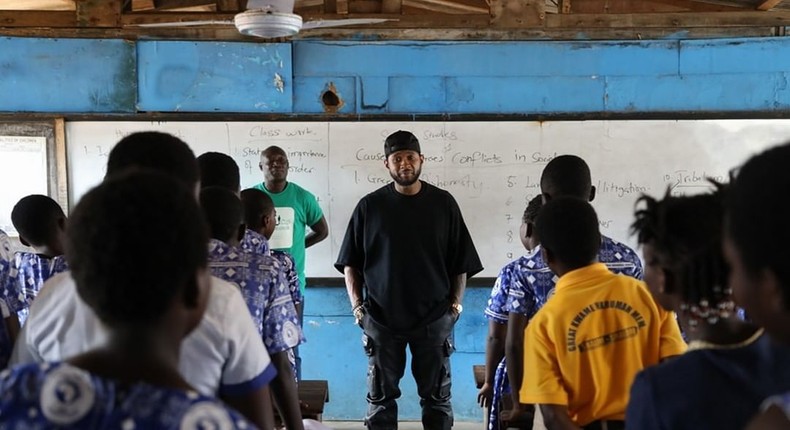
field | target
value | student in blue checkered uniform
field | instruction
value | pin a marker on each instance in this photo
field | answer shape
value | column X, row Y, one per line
column 496, row 384
column 565, row 175
column 260, row 217
column 9, row 323
column 220, row 170
column 264, row 288
column 41, row 224
column 148, row 298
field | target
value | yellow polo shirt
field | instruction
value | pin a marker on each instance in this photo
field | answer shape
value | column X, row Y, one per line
column 586, row 345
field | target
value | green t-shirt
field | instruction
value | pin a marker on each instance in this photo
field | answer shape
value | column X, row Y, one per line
column 296, row 209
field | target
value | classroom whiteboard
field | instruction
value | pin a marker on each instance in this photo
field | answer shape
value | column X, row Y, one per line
column 492, row 168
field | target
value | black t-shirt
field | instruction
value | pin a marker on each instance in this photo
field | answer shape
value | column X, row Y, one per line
column 408, row 249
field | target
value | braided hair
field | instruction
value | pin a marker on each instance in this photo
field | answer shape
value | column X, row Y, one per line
column 686, row 236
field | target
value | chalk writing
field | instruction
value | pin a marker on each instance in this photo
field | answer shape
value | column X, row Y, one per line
column 621, row 189
column 476, row 157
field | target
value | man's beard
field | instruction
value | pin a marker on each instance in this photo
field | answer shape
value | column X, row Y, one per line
column 406, row 182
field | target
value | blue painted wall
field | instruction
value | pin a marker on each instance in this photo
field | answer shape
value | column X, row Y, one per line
column 112, row 76
column 334, row 352
column 372, row 78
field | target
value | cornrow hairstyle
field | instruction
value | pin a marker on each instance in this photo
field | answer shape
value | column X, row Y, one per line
column 532, row 210
column 568, row 228
column 758, row 215
column 35, row 217
column 133, row 245
column 219, row 170
column 686, row 235
column 223, row 212
column 256, row 204
column 157, row 151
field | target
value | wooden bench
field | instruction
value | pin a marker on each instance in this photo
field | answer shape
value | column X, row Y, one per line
column 479, row 371
column 312, row 397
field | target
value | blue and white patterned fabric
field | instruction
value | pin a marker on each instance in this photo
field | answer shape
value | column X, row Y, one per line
column 291, row 276
column 501, row 389
column 534, row 284
column 26, row 277
column 255, row 243
column 42, row 396
column 497, row 311
column 265, row 290
column 6, row 345
column 497, row 302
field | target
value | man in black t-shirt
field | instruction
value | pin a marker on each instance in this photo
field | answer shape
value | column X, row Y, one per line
column 407, row 246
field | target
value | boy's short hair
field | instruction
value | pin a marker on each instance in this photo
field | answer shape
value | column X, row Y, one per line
column 758, row 214
column 532, row 210
column 134, row 242
column 566, row 175
column 219, row 170
column 35, row 218
column 156, row 151
column 256, row 204
column 568, row 228
column 223, row 212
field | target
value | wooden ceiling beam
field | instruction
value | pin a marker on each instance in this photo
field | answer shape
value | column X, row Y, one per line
column 670, row 20
column 445, row 6
column 339, row 7
column 229, row 33
column 517, row 13
column 38, row 18
column 181, row 4
column 392, row 6
column 647, row 6
column 768, row 4
column 99, row 13
column 229, row 5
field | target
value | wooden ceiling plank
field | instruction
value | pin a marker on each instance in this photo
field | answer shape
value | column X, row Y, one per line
column 670, row 20
column 99, row 13
column 229, row 33
column 228, row 5
column 38, row 18
column 140, row 5
column 445, row 6
column 517, row 13
column 648, row 6
column 181, row 4
column 392, row 6
column 768, row 4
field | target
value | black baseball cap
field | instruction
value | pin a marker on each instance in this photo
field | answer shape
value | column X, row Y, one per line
column 401, row 141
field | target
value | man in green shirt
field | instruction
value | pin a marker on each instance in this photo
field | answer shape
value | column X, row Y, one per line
column 296, row 208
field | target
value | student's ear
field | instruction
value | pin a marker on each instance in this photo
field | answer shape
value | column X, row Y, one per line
column 545, row 197
column 260, row 166
column 24, row 242
column 386, row 163
column 62, row 223
column 530, row 230
column 242, row 230
column 592, row 194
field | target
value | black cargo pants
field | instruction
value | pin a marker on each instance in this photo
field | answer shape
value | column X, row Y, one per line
column 430, row 348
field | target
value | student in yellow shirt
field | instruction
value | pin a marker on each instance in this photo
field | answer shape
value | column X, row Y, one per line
column 594, row 334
